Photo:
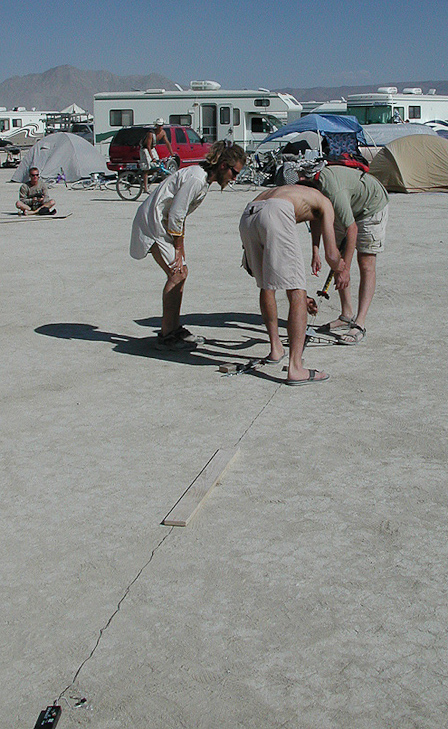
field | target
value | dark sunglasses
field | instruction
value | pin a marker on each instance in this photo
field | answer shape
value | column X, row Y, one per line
column 234, row 172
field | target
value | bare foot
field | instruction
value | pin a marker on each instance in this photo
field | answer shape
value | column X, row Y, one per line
column 308, row 377
column 355, row 335
column 276, row 354
column 300, row 373
column 342, row 322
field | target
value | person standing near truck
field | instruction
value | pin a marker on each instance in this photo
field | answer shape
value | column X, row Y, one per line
column 148, row 155
column 161, row 135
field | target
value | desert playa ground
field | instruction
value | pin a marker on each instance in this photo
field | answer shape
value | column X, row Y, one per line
column 310, row 590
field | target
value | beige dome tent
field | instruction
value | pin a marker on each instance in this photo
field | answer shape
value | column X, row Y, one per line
column 418, row 163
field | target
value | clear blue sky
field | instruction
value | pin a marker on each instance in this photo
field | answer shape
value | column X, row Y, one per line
column 240, row 43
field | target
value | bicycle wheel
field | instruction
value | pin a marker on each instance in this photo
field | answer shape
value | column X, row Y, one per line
column 129, row 185
column 84, row 184
column 171, row 165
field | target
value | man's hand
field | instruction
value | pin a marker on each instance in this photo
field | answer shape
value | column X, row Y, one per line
column 177, row 266
column 316, row 263
column 342, row 279
column 311, row 305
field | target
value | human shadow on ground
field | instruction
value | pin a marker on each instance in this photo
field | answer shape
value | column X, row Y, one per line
column 204, row 354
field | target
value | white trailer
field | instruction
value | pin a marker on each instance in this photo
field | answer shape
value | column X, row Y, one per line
column 243, row 116
column 22, row 127
column 387, row 106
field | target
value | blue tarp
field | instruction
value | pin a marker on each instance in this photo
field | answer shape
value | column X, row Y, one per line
column 323, row 123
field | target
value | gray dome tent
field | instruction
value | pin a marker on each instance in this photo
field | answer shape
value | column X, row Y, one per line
column 418, row 163
column 63, row 150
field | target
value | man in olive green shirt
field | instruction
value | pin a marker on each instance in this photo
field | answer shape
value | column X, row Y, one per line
column 33, row 196
column 361, row 208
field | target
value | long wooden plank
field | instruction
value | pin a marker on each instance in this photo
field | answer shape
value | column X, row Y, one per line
column 191, row 500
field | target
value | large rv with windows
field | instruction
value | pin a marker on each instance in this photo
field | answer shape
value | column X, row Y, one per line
column 387, row 106
column 243, row 116
column 22, row 127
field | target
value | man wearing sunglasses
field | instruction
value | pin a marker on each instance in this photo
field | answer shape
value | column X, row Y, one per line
column 159, row 228
column 33, row 196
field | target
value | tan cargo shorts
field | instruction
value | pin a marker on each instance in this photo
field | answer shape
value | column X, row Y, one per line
column 371, row 232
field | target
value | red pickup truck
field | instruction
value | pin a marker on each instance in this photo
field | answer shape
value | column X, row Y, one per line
column 124, row 150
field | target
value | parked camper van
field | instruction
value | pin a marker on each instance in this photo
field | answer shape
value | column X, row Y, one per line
column 22, row 127
column 244, row 116
column 387, row 106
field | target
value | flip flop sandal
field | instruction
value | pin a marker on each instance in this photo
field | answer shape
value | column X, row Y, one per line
column 311, row 378
column 326, row 329
column 357, row 339
column 270, row 361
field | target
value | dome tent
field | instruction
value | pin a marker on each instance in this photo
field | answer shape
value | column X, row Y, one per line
column 418, row 163
column 61, row 150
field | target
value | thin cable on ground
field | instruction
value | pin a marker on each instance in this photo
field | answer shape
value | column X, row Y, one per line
column 117, row 609
column 258, row 414
column 140, row 572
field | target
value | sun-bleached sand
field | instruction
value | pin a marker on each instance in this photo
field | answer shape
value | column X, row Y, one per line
column 309, row 592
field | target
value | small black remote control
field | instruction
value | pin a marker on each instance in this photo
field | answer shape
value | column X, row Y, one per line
column 48, row 718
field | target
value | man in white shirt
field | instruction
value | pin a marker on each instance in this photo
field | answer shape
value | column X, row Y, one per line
column 159, row 227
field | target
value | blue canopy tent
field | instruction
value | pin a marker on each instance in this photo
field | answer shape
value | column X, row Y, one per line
column 326, row 125
column 322, row 123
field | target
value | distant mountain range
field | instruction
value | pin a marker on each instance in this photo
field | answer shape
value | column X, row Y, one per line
column 59, row 87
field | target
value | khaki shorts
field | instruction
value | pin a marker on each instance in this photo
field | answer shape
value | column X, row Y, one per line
column 272, row 251
column 146, row 161
column 371, row 232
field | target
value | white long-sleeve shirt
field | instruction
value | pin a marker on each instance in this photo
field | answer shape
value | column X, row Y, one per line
column 163, row 213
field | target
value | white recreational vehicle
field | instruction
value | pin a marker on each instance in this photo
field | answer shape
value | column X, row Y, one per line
column 244, row 116
column 387, row 106
column 22, row 127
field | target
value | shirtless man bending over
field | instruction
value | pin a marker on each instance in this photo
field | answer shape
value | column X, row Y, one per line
column 273, row 255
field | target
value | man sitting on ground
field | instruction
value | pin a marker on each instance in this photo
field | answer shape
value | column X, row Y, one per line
column 273, row 255
column 33, row 196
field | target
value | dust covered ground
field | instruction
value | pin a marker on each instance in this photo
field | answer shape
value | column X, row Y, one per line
column 310, row 591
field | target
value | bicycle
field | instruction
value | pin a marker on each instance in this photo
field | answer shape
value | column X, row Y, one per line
column 258, row 171
column 60, row 177
column 95, row 181
column 130, row 182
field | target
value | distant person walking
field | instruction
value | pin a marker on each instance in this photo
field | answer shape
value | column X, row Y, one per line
column 148, row 156
column 33, row 196
column 159, row 228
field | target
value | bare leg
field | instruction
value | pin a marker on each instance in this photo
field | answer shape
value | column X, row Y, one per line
column 367, row 270
column 268, row 307
column 296, row 332
column 172, row 294
column 346, row 308
column 25, row 209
